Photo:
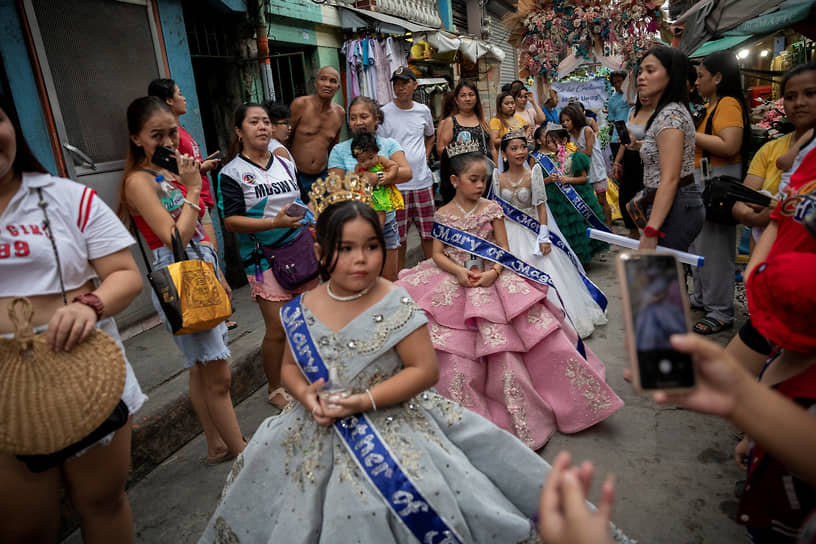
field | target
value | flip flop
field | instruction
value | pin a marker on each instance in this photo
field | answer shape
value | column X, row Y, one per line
column 709, row 325
column 230, row 325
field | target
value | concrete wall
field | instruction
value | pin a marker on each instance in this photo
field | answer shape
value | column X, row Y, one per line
column 303, row 10
column 181, row 69
column 446, row 13
column 23, row 86
column 19, row 70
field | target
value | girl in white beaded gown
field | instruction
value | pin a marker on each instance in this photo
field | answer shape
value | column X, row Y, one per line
column 525, row 190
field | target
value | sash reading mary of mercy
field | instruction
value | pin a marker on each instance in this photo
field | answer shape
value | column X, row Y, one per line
column 491, row 252
column 570, row 193
column 533, row 225
column 365, row 445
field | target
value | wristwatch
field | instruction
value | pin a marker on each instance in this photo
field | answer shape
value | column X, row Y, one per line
column 90, row 299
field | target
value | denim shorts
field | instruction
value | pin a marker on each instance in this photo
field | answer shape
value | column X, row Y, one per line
column 391, row 230
column 202, row 346
column 685, row 219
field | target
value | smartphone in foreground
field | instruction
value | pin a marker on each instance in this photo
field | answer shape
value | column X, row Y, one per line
column 655, row 306
column 623, row 133
column 165, row 157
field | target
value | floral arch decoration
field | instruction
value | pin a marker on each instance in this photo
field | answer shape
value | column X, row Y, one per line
column 547, row 32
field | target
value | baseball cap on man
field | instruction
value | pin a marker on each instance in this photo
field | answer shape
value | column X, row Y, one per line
column 403, row 72
column 782, row 300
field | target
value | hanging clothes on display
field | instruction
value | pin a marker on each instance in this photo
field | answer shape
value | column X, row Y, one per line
column 370, row 61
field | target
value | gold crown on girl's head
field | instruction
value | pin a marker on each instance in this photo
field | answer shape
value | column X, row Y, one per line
column 460, row 148
column 516, row 133
column 333, row 189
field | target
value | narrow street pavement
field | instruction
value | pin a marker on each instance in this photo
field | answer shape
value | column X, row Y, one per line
column 675, row 474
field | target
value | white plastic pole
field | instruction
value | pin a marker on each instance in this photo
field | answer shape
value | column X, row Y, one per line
column 625, row 241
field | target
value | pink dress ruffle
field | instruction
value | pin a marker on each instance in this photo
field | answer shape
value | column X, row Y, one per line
column 504, row 351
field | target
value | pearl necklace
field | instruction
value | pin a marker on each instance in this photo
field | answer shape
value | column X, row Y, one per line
column 464, row 213
column 355, row 296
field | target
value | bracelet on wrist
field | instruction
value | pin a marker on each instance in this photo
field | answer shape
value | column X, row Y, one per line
column 91, row 300
column 371, row 398
column 651, row 232
column 193, row 205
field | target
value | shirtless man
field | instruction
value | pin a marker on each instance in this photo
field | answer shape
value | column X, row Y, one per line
column 316, row 123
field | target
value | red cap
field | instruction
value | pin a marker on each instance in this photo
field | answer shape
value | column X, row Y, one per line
column 782, row 300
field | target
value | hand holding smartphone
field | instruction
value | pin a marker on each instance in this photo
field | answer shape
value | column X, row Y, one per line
column 623, row 132
column 296, row 210
column 164, row 157
column 655, row 307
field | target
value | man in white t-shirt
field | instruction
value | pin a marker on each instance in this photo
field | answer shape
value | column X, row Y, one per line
column 411, row 125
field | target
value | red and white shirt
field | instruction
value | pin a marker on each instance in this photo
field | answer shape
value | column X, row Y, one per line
column 84, row 229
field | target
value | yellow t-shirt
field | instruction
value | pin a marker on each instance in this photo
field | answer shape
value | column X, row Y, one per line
column 729, row 114
column 515, row 122
column 764, row 162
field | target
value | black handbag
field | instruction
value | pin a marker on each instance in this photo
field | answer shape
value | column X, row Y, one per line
column 717, row 197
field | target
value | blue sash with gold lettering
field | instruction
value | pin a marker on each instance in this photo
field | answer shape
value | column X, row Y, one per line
column 491, row 252
column 570, row 193
column 365, row 445
column 531, row 223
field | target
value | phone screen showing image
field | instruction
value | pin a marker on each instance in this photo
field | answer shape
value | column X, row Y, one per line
column 658, row 311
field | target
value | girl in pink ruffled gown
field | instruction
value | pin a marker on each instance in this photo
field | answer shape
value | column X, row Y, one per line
column 504, row 351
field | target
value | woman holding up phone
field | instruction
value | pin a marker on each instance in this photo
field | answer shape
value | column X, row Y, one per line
column 161, row 202
column 257, row 197
column 168, row 90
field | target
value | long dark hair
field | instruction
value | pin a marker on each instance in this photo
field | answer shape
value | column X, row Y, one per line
column 725, row 64
column 454, row 166
column 798, row 71
column 236, row 146
column 163, row 88
column 576, row 115
column 329, row 232
column 676, row 65
column 24, row 159
column 499, row 99
column 477, row 108
column 138, row 112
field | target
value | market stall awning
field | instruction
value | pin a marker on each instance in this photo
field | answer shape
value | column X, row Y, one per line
column 784, row 15
column 718, row 45
column 471, row 48
column 355, row 19
column 743, row 18
column 709, row 18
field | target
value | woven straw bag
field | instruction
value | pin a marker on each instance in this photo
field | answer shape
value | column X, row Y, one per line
column 50, row 400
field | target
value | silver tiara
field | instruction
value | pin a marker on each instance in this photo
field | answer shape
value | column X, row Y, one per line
column 551, row 127
column 460, row 148
column 515, row 134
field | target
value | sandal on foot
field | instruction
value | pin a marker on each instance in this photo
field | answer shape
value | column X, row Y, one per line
column 279, row 398
column 709, row 325
column 230, row 325
column 212, row 460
